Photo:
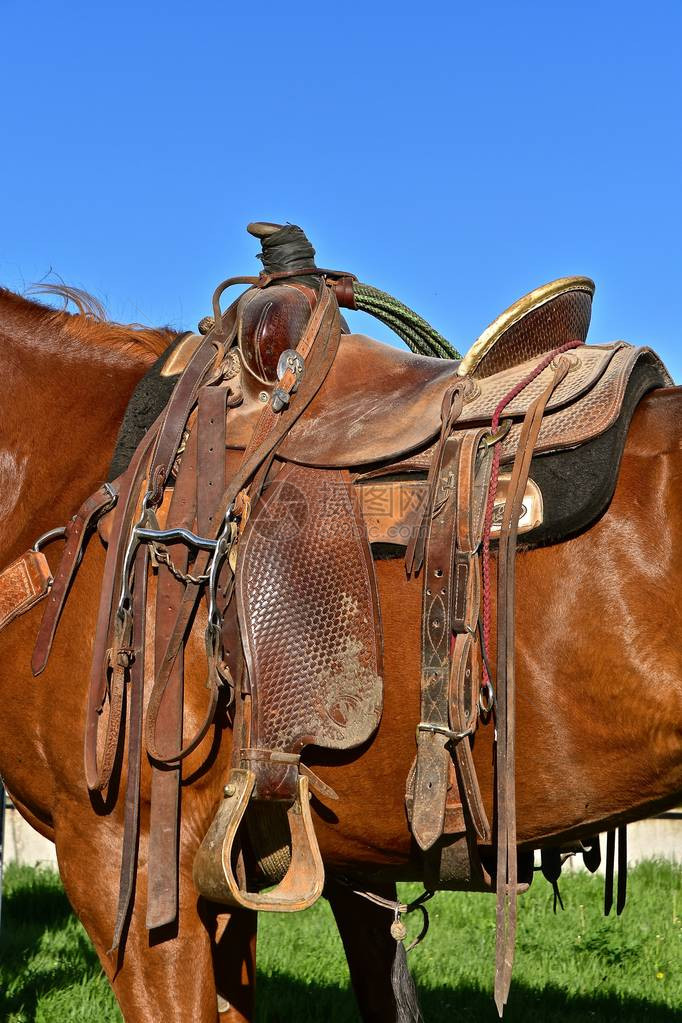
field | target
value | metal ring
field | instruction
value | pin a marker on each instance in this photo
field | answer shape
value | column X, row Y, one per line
column 59, row 533
column 488, row 704
column 491, row 439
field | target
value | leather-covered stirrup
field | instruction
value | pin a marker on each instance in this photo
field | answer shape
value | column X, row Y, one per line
column 215, row 874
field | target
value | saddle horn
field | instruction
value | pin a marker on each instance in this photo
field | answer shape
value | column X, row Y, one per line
column 284, row 247
column 263, row 228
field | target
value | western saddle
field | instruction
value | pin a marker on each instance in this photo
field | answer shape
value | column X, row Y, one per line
column 250, row 491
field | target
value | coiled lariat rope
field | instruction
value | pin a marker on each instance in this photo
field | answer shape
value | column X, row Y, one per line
column 418, row 335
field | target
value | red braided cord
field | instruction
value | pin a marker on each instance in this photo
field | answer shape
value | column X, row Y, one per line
column 494, row 478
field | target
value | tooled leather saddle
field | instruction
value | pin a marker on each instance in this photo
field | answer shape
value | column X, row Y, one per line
column 286, row 455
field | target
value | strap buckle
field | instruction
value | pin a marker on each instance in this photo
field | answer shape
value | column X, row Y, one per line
column 425, row 726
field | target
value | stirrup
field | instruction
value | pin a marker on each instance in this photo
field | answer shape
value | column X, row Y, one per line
column 214, row 874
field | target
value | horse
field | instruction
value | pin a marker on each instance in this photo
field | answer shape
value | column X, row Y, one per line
column 599, row 687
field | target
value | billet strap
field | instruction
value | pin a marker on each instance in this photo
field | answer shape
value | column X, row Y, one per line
column 77, row 535
column 506, row 880
column 23, row 584
column 473, row 479
column 433, row 732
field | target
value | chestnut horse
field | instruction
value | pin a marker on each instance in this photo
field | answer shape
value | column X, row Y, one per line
column 599, row 683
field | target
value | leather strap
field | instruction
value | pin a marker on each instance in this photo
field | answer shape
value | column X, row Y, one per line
column 131, row 816
column 506, row 880
column 77, row 534
column 210, row 481
column 473, row 478
column 617, row 837
column 162, row 886
column 183, row 399
column 22, row 584
column 97, row 776
column 204, row 460
column 451, row 409
column 433, row 732
column 622, row 869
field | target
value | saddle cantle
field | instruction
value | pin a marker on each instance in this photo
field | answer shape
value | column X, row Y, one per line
column 541, row 321
column 249, row 489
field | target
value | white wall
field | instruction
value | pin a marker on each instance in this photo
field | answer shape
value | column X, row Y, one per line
column 657, row 837
column 24, row 845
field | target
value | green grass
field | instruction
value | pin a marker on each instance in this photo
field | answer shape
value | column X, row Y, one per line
column 572, row 967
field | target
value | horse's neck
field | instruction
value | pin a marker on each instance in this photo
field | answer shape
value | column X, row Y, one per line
column 63, row 400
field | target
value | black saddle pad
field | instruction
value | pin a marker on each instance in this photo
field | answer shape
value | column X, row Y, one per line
column 578, row 484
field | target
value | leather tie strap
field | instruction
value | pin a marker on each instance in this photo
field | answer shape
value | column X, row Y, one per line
column 505, row 707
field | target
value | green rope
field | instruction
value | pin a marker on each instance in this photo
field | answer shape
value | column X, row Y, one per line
column 399, row 318
column 412, row 338
column 418, row 335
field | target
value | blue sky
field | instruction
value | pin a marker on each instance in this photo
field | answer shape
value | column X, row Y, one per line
column 456, row 155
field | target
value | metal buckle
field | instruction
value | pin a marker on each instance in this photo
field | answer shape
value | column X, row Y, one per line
column 424, row 726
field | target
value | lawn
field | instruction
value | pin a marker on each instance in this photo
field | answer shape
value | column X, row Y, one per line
column 571, row 967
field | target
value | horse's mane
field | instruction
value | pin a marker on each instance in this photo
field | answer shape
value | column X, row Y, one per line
column 89, row 324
